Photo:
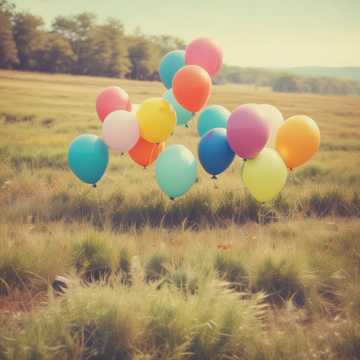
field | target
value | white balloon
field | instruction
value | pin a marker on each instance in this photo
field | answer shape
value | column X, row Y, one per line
column 274, row 119
column 121, row 130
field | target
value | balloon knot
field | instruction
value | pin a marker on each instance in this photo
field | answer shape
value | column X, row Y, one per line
column 122, row 154
column 245, row 159
column 172, row 198
column 94, row 185
column 214, row 177
column 144, row 167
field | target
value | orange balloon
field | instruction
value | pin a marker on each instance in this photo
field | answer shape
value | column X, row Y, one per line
column 191, row 87
column 145, row 152
column 297, row 140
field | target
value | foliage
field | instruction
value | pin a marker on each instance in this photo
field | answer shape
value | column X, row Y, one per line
column 80, row 44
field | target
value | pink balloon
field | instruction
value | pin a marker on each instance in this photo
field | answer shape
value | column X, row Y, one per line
column 110, row 99
column 121, row 130
column 205, row 53
column 247, row 131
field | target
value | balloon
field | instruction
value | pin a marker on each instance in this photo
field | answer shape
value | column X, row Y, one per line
column 265, row 176
column 247, row 131
column 134, row 108
column 169, row 65
column 182, row 115
column 176, row 170
column 297, row 140
column 157, row 120
column 274, row 119
column 205, row 53
column 120, row 130
column 144, row 153
column 213, row 116
column 191, row 87
column 88, row 157
column 110, row 99
column 215, row 154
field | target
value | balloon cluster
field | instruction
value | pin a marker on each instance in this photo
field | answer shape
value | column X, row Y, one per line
column 257, row 133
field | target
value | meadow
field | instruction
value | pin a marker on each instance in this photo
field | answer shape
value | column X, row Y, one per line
column 212, row 275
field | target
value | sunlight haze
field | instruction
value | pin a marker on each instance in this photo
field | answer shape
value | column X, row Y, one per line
column 257, row 33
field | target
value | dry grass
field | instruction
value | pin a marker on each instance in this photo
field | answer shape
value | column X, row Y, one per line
column 173, row 280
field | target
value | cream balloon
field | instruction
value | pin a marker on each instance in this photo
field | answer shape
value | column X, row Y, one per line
column 274, row 120
column 135, row 108
column 121, row 131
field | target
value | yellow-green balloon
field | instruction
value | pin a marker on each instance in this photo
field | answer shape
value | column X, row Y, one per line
column 265, row 176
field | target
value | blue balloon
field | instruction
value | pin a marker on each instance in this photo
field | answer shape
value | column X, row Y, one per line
column 182, row 115
column 215, row 154
column 213, row 116
column 169, row 65
column 88, row 158
column 176, row 170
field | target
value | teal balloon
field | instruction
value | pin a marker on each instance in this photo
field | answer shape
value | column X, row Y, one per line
column 88, row 158
column 182, row 115
column 213, row 116
column 176, row 170
column 169, row 65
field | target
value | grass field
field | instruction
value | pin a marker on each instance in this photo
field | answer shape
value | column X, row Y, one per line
column 213, row 275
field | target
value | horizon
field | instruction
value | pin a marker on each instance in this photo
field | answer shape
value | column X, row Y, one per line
column 261, row 33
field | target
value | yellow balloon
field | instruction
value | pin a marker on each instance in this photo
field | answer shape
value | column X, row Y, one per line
column 157, row 120
column 297, row 140
column 265, row 175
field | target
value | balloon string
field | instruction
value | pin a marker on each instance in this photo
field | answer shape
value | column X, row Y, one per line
column 97, row 196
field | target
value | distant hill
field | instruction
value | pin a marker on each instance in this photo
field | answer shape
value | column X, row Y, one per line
column 318, row 80
column 347, row 73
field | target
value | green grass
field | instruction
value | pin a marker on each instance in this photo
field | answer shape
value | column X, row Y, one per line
column 212, row 275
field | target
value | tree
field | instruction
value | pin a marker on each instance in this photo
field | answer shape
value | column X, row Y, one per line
column 287, row 83
column 140, row 58
column 109, row 53
column 27, row 33
column 8, row 51
column 55, row 54
column 77, row 30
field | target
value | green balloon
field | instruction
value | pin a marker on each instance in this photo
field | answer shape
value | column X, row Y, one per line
column 176, row 170
column 265, row 176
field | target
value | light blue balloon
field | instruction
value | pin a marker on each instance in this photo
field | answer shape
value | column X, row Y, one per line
column 182, row 115
column 213, row 116
column 88, row 158
column 169, row 65
column 176, row 170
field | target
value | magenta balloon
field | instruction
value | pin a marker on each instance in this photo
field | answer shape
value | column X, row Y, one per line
column 247, row 132
column 205, row 53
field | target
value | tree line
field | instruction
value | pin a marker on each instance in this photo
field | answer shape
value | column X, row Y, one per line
column 283, row 82
column 80, row 44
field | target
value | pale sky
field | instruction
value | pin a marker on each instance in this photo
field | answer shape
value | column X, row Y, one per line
column 257, row 33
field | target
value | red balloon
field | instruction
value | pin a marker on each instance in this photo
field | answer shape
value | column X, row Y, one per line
column 144, row 152
column 110, row 99
column 191, row 87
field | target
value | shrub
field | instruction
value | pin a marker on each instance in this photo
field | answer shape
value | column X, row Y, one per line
column 231, row 269
column 124, row 266
column 156, row 266
column 92, row 258
column 281, row 281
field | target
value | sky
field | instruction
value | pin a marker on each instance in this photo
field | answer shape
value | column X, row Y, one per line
column 255, row 33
